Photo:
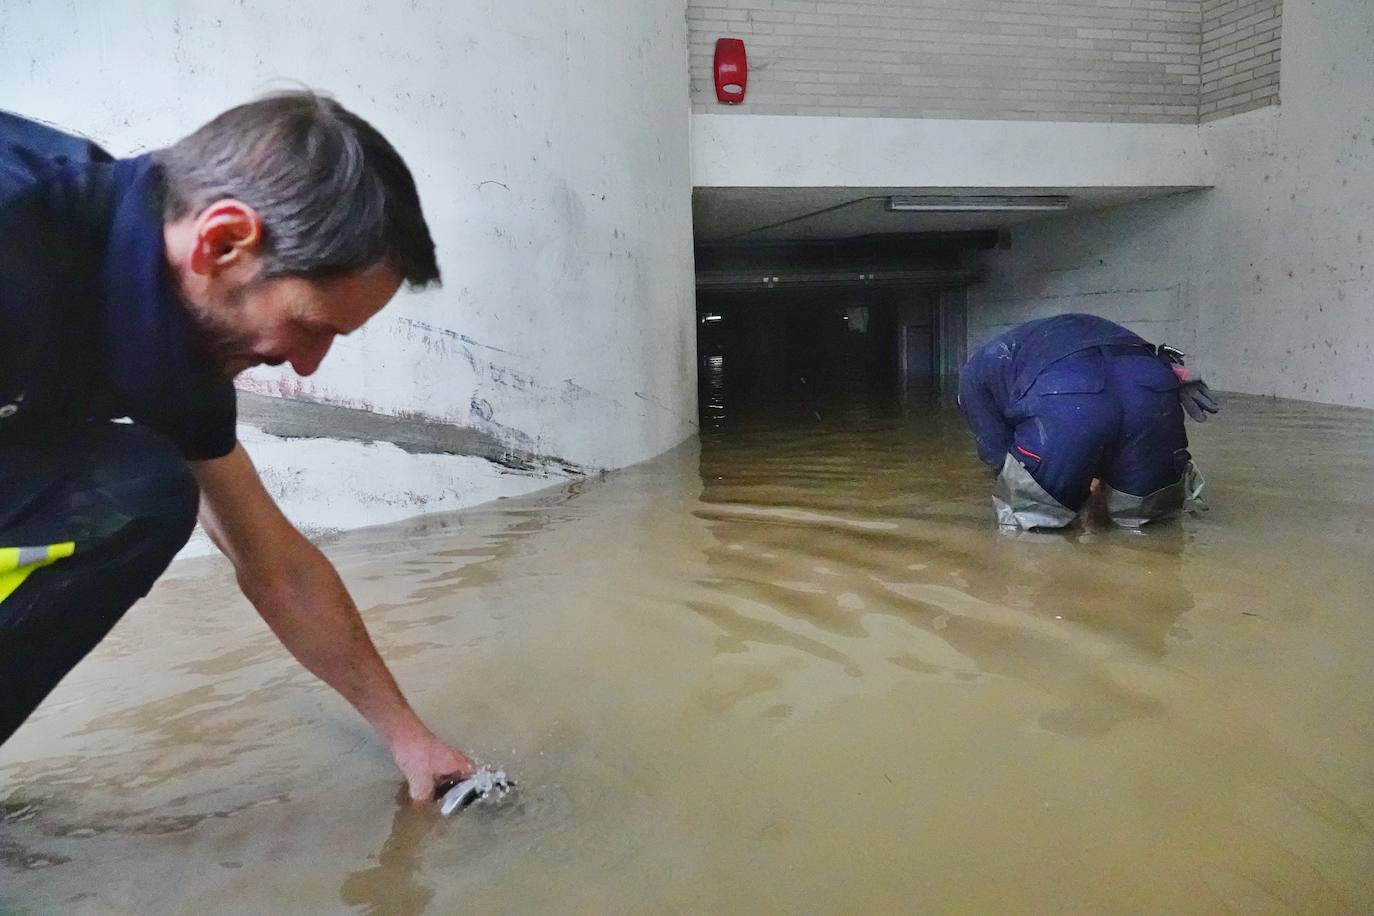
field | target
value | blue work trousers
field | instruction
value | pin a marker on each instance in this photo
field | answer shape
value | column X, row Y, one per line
column 89, row 519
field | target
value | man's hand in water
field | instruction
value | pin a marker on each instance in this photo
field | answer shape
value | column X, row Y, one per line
column 427, row 761
column 299, row 594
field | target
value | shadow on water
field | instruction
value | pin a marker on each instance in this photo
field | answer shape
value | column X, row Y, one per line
column 392, row 886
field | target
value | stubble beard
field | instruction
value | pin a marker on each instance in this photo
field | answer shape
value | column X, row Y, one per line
column 228, row 348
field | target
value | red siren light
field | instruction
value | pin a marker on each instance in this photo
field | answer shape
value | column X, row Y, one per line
column 732, row 70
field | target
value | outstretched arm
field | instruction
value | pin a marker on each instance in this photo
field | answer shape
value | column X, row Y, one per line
column 299, row 594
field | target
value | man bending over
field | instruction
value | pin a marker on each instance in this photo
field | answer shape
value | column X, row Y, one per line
column 138, row 288
column 1061, row 404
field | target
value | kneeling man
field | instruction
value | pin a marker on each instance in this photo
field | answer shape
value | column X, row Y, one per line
column 1065, row 406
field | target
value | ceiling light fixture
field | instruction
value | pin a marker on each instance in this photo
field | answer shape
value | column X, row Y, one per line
column 976, row 203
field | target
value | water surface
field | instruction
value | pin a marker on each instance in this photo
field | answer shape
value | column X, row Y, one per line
column 793, row 668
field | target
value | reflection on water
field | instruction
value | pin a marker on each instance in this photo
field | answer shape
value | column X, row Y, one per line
column 796, row 669
column 713, row 392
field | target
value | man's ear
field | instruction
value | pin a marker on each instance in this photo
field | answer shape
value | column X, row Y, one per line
column 228, row 236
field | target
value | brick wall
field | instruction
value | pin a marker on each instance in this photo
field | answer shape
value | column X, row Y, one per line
column 1062, row 60
column 1080, row 60
column 1240, row 56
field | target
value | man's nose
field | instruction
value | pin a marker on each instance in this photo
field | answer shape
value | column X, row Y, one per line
column 306, row 359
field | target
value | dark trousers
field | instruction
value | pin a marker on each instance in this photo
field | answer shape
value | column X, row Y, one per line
column 1099, row 413
column 125, row 500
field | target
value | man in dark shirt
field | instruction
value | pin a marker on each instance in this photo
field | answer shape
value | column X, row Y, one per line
column 1059, row 403
column 135, row 290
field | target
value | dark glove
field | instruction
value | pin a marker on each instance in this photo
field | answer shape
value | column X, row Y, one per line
column 1197, row 399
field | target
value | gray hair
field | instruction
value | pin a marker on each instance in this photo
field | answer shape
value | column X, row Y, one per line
column 334, row 196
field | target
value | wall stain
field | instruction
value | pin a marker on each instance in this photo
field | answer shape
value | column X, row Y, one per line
column 299, row 418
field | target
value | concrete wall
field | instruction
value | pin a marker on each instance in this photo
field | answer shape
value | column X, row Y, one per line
column 797, row 152
column 551, row 148
column 1071, row 60
column 1131, row 264
column 1285, row 271
column 1241, row 42
column 1270, row 276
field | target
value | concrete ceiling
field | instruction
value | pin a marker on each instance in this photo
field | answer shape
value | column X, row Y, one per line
column 791, row 214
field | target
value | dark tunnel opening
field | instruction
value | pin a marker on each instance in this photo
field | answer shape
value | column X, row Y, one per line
column 765, row 349
column 790, row 329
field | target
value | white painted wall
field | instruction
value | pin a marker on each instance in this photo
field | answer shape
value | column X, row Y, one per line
column 769, row 151
column 1270, row 276
column 550, row 144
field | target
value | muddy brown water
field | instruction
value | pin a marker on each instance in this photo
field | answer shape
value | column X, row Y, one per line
column 790, row 669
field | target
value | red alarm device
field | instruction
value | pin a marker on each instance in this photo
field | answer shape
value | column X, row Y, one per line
column 732, row 70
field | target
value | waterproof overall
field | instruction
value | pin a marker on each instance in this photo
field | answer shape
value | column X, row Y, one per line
column 1059, row 402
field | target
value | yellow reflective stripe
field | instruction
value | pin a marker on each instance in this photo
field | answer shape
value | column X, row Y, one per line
column 16, row 558
column 17, row 563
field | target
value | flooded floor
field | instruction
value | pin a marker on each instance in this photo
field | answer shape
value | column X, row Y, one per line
column 796, row 670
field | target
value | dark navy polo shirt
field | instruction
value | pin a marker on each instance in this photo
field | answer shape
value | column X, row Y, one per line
column 1001, row 371
column 90, row 325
